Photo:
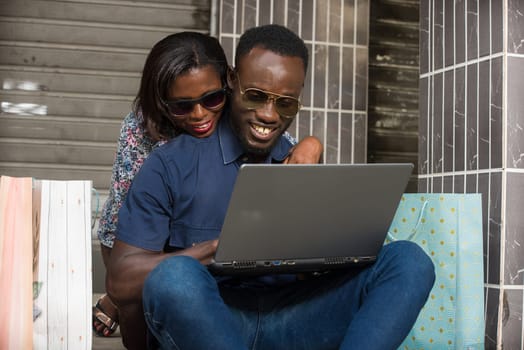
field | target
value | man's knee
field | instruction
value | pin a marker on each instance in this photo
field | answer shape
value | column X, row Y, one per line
column 411, row 260
column 175, row 279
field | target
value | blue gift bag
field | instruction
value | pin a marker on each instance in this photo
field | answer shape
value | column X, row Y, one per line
column 449, row 229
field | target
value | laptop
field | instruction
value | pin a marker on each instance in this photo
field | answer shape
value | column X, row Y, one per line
column 307, row 218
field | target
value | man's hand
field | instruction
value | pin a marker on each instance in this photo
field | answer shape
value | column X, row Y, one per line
column 128, row 268
column 203, row 251
column 307, row 151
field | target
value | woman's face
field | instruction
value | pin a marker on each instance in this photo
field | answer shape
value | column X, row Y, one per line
column 198, row 118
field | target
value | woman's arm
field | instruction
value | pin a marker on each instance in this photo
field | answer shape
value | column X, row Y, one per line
column 308, row 151
column 132, row 149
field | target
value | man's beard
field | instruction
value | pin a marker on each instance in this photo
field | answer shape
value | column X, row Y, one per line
column 256, row 151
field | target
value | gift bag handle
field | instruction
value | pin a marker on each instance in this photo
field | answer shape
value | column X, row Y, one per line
column 414, row 231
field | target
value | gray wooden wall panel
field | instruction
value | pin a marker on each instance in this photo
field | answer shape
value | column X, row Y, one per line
column 69, row 71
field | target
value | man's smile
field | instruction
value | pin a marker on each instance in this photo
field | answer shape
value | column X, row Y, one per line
column 262, row 131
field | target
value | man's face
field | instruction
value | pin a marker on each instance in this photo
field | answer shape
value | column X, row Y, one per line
column 259, row 128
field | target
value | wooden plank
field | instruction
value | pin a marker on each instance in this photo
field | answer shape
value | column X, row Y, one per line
column 88, row 273
column 57, row 266
column 40, row 324
column 16, row 272
column 65, row 251
column 79, row 264
column 36, row 206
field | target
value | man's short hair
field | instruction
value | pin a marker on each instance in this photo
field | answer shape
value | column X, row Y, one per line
column 275, row 38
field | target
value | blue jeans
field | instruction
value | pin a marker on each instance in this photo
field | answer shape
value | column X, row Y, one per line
column 366, row 308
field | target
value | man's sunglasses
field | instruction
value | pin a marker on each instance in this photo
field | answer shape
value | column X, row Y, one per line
column 213, row 101
column 252, row 98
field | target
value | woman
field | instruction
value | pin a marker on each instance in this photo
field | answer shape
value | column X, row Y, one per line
column 183, row 89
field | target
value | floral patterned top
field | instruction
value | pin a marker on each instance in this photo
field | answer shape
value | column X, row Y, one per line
column 133, row 148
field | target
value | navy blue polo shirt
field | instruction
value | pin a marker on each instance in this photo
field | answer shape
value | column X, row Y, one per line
column 181, row 193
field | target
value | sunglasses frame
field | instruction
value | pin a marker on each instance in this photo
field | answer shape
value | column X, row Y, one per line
column 271, row 96
column 198, row 100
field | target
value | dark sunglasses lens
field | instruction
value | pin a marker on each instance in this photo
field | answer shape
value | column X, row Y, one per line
column 255, row 98
column 214, row 99
column 287, row 106
column 181, row 107
column 210, row 101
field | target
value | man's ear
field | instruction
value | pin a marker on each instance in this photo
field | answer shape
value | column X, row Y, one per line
column 231, row 77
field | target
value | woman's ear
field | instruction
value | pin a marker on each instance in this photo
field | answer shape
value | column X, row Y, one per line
column 231, row 77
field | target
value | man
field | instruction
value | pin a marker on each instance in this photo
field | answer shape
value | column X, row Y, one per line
column 178, row 202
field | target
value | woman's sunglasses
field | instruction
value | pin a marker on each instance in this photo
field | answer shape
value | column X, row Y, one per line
column 252, row 98
column 213, row 101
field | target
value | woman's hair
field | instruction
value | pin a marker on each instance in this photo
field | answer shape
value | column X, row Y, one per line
column 172, row 56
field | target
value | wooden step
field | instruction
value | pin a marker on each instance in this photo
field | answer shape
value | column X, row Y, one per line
column 70, row 70
column 81, row 33
column 72, row 56
column 31, row 78
column 100, row 175
column 65, row 104
column 55, row 151
column 163, row 14
column 60, row 128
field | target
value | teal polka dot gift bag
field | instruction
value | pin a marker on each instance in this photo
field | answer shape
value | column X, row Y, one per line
column 449, row 229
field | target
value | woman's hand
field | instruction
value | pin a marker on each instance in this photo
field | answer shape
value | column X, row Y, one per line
column 307, row 151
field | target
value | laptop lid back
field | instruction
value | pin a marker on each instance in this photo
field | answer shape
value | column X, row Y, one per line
column 292, row 218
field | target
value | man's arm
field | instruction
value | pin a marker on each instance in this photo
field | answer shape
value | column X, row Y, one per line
column 129, row 267
column 127, row 271
column 307, row 151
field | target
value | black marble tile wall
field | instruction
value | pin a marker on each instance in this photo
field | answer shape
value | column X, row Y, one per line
column 459, row 14
column 483, row 105
column 512, row 319
column 472, row 117
column 436, row 138
column 497, row 25
column 514, row 247
column 335, row 92
column 425, row 105
column 424, row 39
column 472, row 28
column 449, row 33
column 448, row 138
column 484, row 33
column 494, row 227
column 492, row 303
column 460, row 118
column 515, row 26
column 472, row 137
column 515, row 112
column 438, row 34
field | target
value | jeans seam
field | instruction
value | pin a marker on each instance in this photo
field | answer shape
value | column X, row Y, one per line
column 166, row 334
column 149, row 316
column 255, row 338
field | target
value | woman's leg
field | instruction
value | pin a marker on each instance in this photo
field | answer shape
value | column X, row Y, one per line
column 105, row 312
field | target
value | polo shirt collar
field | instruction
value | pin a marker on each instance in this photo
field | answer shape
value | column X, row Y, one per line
column 232, row 148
